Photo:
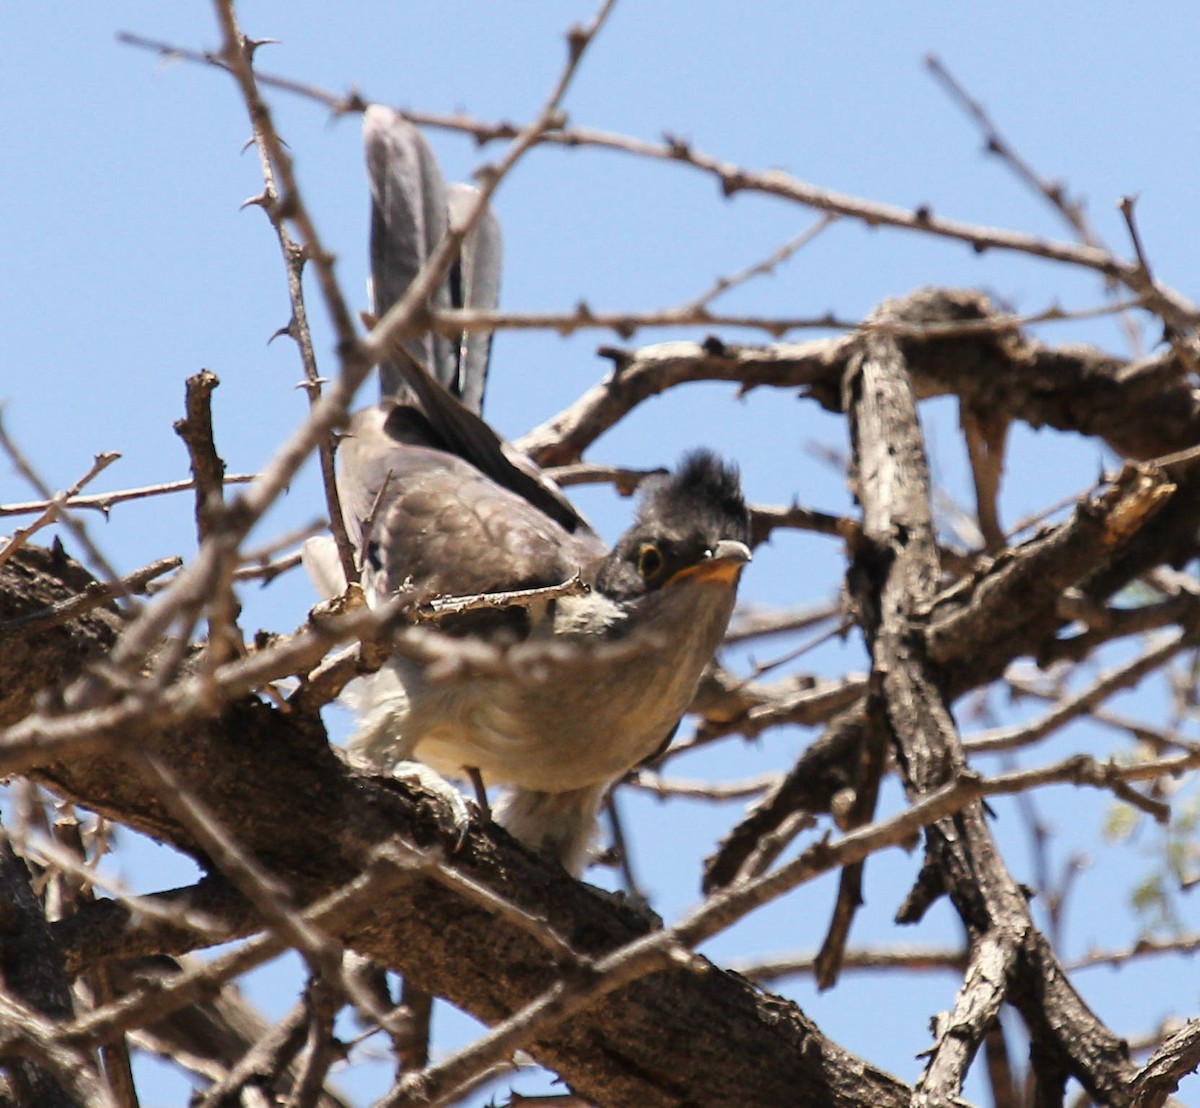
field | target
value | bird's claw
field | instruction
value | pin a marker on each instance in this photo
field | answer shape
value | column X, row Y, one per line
column 455, row 808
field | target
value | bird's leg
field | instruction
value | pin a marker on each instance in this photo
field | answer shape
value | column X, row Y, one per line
column 481, row 797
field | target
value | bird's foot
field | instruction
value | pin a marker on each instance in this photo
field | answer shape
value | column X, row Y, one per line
column 455, row 808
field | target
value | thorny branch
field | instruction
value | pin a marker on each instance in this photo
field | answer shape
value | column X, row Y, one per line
column 733, row 179
column 569, row 976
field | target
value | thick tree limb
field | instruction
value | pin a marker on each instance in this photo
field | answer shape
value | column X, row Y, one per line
column 894, row 577
column 1168, row 1065
column 1140, row 409
column 1006, row 609
column 251, row 764
column 31, row 972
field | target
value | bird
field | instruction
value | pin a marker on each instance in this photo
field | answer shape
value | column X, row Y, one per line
column 436, row 503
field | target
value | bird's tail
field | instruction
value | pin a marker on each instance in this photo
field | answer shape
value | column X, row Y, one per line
column 411, row 209
column 560, row 824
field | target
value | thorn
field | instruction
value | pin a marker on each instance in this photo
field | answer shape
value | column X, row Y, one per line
column 486, row 175
column 577, row 40
column 620, row 358
column 677, row 147
column 251, row 45
column 353, row 102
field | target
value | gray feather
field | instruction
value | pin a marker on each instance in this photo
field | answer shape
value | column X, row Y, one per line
column 478, row 286
column 408, row 220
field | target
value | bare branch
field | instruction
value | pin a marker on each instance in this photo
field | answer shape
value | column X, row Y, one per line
column 104, row 501
column 55, row 504
column 1168, row 1065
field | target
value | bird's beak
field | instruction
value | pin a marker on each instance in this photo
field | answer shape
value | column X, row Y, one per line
column 722, row 565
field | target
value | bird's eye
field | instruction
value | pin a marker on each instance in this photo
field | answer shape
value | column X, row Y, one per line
column 650, row 561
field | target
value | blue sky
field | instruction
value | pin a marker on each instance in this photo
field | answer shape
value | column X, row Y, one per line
column 130, row 265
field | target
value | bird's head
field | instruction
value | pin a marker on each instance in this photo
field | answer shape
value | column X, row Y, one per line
column 691, row 527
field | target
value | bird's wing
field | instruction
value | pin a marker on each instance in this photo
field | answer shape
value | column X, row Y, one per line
column 420, row 513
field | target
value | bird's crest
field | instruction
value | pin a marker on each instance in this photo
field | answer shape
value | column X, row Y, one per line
column 703, row 493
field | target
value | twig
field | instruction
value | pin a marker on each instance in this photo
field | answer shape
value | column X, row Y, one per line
column 594, row 473
column 621, row 847
column 413, row 1046
column 1069, row 708
column 265, row 553
column 806, row 707
column 765, row 518
column 1126, row 205
column 25, row 1032
column 1083, row 769
column 322, row 999
column 663, row 787
column 35, row 995
column 750, row 623
column 1145, row 947
column 1180, row 328
column 733, row 179
column 985, row 434
column 55, row 504
column 274, row 1049
column 71, row 895
column 1053, row 191
column 298, row 330
column 268, row 570
column 439, row 608
column 153, row 1003
column 104, row 501
column 50, row 853
column 208, row 471
column 626, row 324
column 818, row 638
column 767, row 971
column 767, row 266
